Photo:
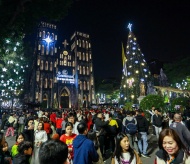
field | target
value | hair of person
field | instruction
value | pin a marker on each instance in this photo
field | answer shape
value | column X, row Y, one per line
column 174, row 135
column 20, row 134
column 110, row 115
column 118, row 148
column 70, row 114
column 42, row 125
column 92, row 136
column 69, row 124
column 177, row 117
column 53, row 150
column 30, row 119
column 25, row 145
column 81, row 127
column 139, row 111
column 1, row 138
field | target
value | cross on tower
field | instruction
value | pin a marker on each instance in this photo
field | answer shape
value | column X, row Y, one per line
column 65, row 43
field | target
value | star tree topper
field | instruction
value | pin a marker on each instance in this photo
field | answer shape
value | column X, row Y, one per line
column 129, row 26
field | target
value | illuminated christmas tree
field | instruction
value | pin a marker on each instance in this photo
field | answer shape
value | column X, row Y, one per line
column 13, row 68
column 135, row 71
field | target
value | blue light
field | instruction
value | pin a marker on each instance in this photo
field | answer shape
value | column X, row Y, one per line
column 134, row 48
column 136, row 62
column 142, row 79
column 128, row 73
column 48, row 40
column 145, row 70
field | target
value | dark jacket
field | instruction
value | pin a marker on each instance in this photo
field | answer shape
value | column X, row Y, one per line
column 142, row 123
column 157, row 120
column 182, row 132
column 163, row 157
column 21, row 159
column 101, row 124
column 2, row 155
column 84, row 150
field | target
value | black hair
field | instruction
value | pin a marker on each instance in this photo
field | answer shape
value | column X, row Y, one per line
column 110, row 115
column 20, row 134
column 118, row 148
column 53, row 150
column 69, row 124
column 25, row 145
column 81, row 127
column 92, row 136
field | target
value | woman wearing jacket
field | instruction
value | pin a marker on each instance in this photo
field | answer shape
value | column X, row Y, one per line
column 172, row 150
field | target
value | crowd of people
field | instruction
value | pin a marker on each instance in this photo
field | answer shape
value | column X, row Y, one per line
column 89, row 136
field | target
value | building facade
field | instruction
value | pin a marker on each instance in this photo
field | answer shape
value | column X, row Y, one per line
column 61, row 77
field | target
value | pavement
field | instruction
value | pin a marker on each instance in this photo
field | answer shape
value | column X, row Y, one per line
column 152, row 148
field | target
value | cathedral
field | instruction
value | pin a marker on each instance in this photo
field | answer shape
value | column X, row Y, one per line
column 62, row 76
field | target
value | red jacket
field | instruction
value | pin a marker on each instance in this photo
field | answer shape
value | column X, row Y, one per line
column 58, row 123
column 47, row 127
column 53, row 117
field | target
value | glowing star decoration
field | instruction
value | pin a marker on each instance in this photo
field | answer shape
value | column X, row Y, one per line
column 7, row 41
column 130, row 82
column 129, row 26
column 14, row 48
column 48, row 40
column 17, row 43
column 4, row 69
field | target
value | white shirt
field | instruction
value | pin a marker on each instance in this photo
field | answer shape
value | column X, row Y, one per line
column 126, row 156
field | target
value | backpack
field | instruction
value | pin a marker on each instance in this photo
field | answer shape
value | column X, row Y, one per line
column 130, row 126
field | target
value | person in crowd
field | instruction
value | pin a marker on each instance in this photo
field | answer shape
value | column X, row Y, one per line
column 68, row 138
column 112, row 132
column 21, row 123
column 11, row 121
column 29, row 131
column 157, row 122
column 63, row 125
column 19, row 138
column 92, row 136
column 53, row 129
column 71, row 118
column 25, row 152
column 53, row 118
column 7, row 158
column 2, row 149
column 142, row 127
column 58, row 124
column 36, row 122
column 181, row 130
column 40, row 136
column 47, row 127
column 171, row 149
column 127, row 121
column 123, row 152
column 84, row 150
column 3, row 120
column 101, row 126
column 53, row 151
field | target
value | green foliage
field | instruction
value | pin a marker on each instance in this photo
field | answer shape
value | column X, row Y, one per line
column 152, row 100
column 177, row 71
column 179, row 101
column 128, row 106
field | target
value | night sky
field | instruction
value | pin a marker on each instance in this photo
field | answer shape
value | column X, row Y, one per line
column 162, row 30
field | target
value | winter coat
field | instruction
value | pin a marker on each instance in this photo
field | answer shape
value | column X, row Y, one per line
column 182, row 158
column 142, row 123
column 84, row 150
